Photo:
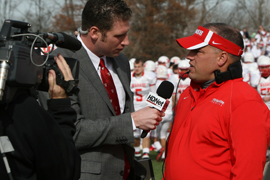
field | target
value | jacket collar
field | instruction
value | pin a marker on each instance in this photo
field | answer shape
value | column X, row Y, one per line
column 197, row 91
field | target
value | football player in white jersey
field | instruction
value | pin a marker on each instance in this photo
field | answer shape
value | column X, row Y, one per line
column 160, row 133
column 264, row 84
column 164, row 60
column 251, row 73
column 183, row 79
column 175, row 60
column 142, row 82
column 150, row 65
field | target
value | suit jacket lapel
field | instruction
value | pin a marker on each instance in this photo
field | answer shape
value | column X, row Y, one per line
column 87, row 67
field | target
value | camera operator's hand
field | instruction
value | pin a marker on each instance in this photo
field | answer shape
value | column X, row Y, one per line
column 56, row 91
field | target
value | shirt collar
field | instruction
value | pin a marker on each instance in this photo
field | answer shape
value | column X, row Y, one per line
column 94, row 58
column 197, row 87
column 207, row 83
column 136, row 76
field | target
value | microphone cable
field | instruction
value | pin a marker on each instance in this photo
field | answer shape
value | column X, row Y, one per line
column 175, row 98
column 175, row 102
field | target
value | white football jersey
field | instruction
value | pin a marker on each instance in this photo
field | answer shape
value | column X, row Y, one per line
column 183, row 84
column 141, row 86
column 263, row 88
column 170, row 72
column 251, row 73
column 174, row 79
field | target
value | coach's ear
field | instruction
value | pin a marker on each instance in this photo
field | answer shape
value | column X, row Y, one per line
column 222, row 58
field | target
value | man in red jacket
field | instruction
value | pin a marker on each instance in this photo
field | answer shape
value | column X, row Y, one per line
column 221, row 124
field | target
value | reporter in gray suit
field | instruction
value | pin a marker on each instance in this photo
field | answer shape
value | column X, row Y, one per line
column 102, row 138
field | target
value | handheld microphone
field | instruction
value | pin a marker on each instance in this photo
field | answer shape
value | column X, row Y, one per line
column 64, row 41
column 159, row 101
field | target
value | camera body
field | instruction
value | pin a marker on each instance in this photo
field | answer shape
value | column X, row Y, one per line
column 21, row 62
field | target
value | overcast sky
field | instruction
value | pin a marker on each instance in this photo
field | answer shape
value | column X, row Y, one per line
column 24, row 5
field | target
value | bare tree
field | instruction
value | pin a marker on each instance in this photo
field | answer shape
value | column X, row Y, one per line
column 237, row 13
column 257, row 12
column 7, row 8
column 156, row 25
column 206, row 9
column 39, row 15
column 69, row 19
column 36, row 12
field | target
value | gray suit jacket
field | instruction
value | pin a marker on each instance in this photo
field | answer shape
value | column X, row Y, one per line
column 101, row 137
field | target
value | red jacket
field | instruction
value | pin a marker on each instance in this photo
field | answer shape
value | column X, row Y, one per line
column 219, row 133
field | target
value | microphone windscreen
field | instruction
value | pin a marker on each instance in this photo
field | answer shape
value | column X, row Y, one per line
column 69, row 42
column 165, row 89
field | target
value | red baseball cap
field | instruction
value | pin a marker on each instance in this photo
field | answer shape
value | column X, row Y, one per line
column 203, row 37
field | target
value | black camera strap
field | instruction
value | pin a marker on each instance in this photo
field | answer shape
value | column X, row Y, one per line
column 234, row 71
column 69, row 86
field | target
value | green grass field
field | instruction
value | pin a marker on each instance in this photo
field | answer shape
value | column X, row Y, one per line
column 157, row 166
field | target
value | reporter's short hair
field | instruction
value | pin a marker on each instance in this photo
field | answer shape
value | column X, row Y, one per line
column 103, row 14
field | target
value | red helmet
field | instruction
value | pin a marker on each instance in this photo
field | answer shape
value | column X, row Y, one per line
column 264, row 66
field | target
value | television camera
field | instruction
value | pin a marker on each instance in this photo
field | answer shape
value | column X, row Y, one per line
column 23, row 66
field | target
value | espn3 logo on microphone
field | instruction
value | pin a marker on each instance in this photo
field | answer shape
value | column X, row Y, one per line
column 157, row 102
